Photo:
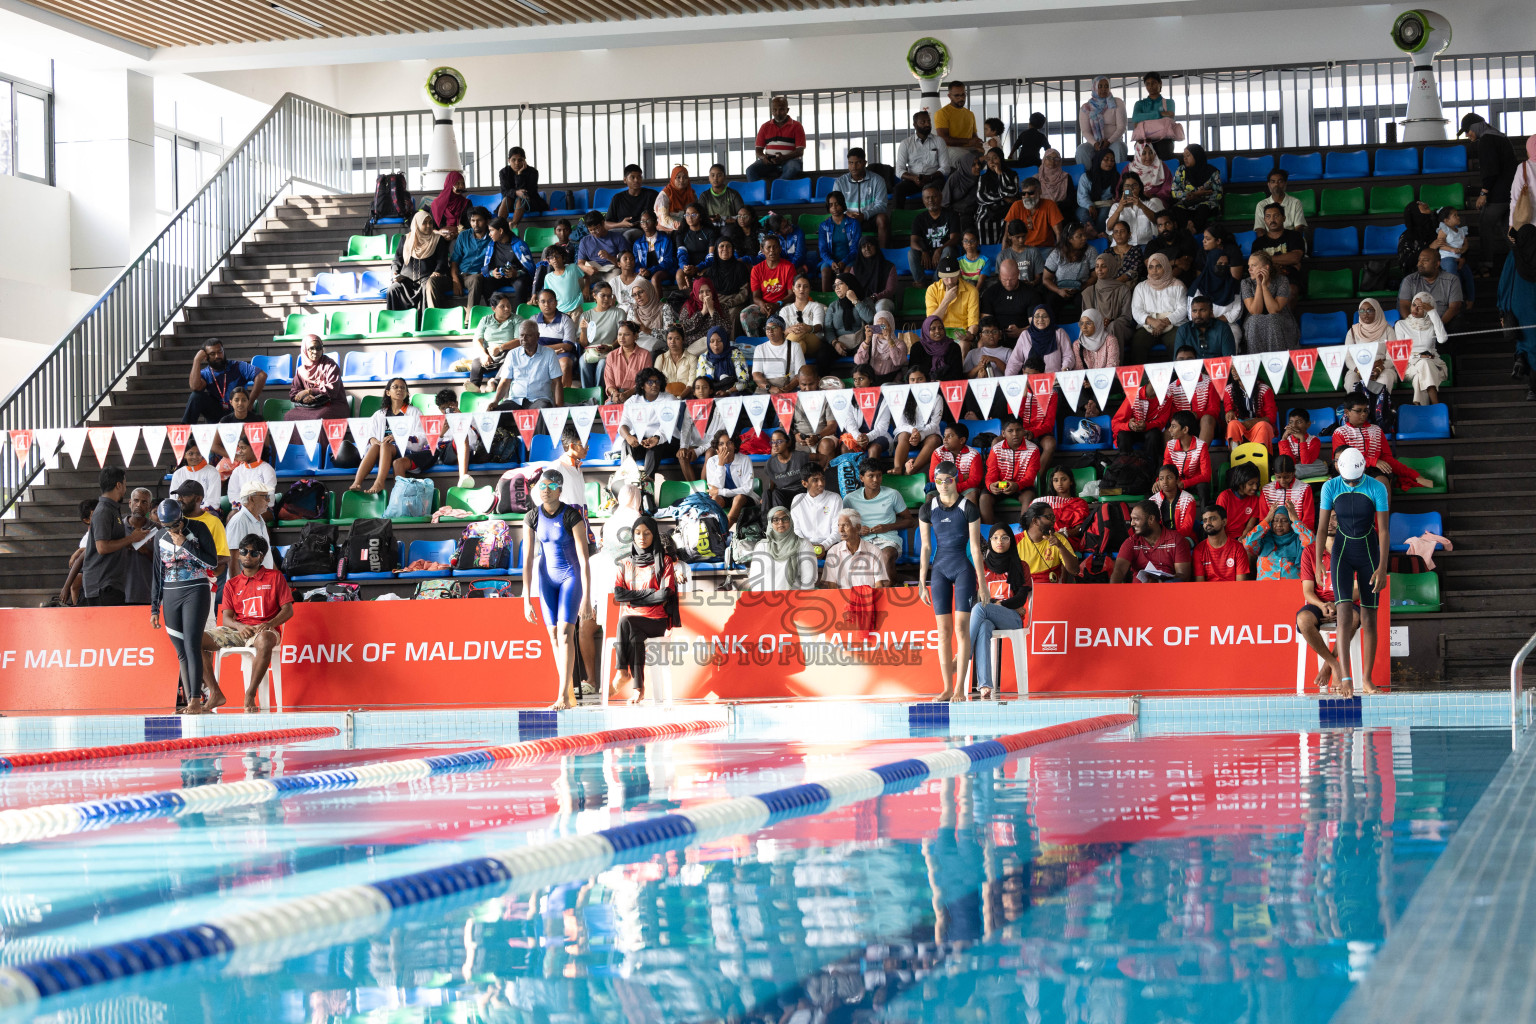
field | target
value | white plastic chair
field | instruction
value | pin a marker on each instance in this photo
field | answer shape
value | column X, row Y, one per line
column 654, row 673
column 1308, row 664
column 1019, row 640
column 270, row 696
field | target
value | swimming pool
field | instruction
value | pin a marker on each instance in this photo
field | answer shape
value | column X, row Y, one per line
column 1187, row 867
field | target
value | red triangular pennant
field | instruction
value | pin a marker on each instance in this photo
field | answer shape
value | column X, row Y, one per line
column 101, row 441
column 335, row 434
column 784, row 405
column 178, row 434
column 1397, row 351
column 256, row 433
column 1130, row 379
column 1304, row 362
column 433, row 427
column 1220, row 368
column 869, row 401
column 611, row 416
column 954, row 396
column 1041, row 385
column 699, row 411
column 21, row 444
column 527, row 422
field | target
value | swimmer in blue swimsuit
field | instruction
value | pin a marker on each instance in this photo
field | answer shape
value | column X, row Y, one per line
column 950, row 528
column 1357, row 505
column 555, row 567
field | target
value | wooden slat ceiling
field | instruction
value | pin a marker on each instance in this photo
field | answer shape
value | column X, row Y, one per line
column 167, row 23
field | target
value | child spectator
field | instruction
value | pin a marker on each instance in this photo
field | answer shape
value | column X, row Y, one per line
column 1013, row 466
column 69, row 593
column 1297, row 442
column 1451, row 240
column 970, row 466
column 1175, row 506
column 975, row 266
column 195, row 467
column 1188, row 454
column 1250, row 415
column 249, row 470
column 814, row 513
column 449, row 450
column 1241, row 501
column 1285, row 490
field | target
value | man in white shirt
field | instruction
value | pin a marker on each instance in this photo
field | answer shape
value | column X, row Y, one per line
column 922, row 159
column 853, row 562
column 814, row 513
column 250, row 518
column 776, row 361
column 200, row 469
column 1295, row 220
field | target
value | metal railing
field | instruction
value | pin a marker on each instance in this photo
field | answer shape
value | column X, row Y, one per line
column 1225, row 109
column 1517, row 689
column 298, row 141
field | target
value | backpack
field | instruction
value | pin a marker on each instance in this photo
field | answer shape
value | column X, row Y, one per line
column 370, row 547
column 411, row 498
column 701, row 529
column 334, row 592
column 504, row 443
column 750, row 528
column 1128, row 473
column 304, row 500
column 514, row 491
column 1376, row 276
column 844, row 471
column 1107, row 530
column 437, row 590
column 314, row 553
column 390, row 199
column 485, row 545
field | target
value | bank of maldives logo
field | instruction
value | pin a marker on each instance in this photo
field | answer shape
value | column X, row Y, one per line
column 1048, row 638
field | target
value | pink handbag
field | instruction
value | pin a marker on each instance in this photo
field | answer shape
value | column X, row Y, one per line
column 1158, row 130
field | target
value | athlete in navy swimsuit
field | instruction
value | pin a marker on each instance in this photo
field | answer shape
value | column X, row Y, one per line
column 951, row 533
column 555, row 566
column 1357, row 505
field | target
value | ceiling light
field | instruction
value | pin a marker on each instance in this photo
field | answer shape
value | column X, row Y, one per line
column 296, row 16
column 535, row 8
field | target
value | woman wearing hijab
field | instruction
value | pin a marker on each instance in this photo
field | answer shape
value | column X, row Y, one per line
column 1420, row 228
column 1525, row 178
column 1158, row 305
column 847, row 316
column 1270, row 325
column 1008, row 586
column 1275, row 544
column 1197, row 187
column 702, row 314
column 876, row 278
column 1043, row 343
column 1220, row 278
column 673, row 200
column 1111, row 298
column 781, row 560
column 450, row 210
column 645, row 590
column 1055, row 183
column 421, row 268
column 1371, row 329
column 936, row 354
column 1426, row 370
column 317, row 392
column 885, row 353
column 960, row 188
column 649, row 314
column 1517, row 289
column 731, row 277
column 1156, row 183
column 1096, row 191
column 1095, row 348
column 1101, row 124
column 997, row 189
column 723, row 363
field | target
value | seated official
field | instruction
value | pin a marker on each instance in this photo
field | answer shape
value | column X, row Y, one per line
column 1151, row 554
column 1219, row 556
column 256, row 602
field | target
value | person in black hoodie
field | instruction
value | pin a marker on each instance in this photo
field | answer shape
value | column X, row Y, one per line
column 1008, row 587
column 695, row 241
column 185, row 558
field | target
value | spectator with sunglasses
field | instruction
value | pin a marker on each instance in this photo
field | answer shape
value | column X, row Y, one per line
column 256, row 603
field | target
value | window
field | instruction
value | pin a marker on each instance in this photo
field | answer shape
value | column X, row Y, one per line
column 182, row 165
column 26, row 130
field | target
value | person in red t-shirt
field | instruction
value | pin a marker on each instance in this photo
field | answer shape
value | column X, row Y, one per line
column 773, row 284
column 1151, row 554
column 1219, row 557
column 1013, row 466
column 256, row 603
column 1241, row 501
column 969, row 464
column 1189, row 455
column 780, row 145
column 1319, row 610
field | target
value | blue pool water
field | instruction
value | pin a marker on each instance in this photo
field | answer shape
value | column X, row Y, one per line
column 1134, row 875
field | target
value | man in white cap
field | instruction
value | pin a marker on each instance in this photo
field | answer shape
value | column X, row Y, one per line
column 250, row 518
column 1357, row 506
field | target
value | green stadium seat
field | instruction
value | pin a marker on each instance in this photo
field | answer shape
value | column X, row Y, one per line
column 1453, row 195
column 360, row 505
column 438, row 322
column 369, row 405
column 299, row 324
column 902, row 221
column 347, row 325
column 393, row 323
column 1393, row 199
column 538, row 239
column 1240, row 206
column 670, row 492
column 425, row 402
column 1082, row 476
column 470, row 499
column 914, row 303
column 581, row 396
column 1307, row 197
column 275, row 408
column 366, row 248
column 1331, row 284
column 527, row 310
column 810, row 223
column 1342, row 202
column 1414, row 593
column 1432, row 466
column 910, row 487
column 475, row 401
column 476, row 314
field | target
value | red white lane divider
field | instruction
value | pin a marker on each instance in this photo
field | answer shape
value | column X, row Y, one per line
column 9, row 761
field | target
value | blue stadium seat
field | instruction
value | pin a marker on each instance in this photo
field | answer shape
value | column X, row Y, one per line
column 333, row 286
column 1028, row 172
column 1445, row 159
column 1335, row 242
column 601, row 197
column 1324, row 328
column 1245, row 240
column 1073, row 329
column 358, row 367
column 1247, row 170
column 1392, row 163
column 992, row 252
column 983, row 426
column 432, row 551
column 579, row 200
column 1423, row 422
column 1104, row 426
column 1076, row 171
column 1403, row 525
column 371, row 285
column 1356, row 164
column 1393, row 316
column 412, row 363
column 297, row 462
column 543, row 449
column 1381, row 239
column 825, row 185
column 279, row 369
column 601, row 451
column 558, row 199
column 446, row 357
column 489, row 200
column 1302, row 166
column 789, row 190
column 898, row 257
column 1098, row 244
column 751, row 192
column 1321, row 420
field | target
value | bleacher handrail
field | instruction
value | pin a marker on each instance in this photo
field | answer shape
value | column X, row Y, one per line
column 298, row 140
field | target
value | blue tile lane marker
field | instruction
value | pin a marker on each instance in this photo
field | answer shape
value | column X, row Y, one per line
column 314, row 922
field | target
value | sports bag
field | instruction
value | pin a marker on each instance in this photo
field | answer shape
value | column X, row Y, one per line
column 411, row 498
column 701, row 530
column 1128, row 473
column 334, row 592
column 304, row 500
column 514, row 491
column 1107, row 530
column 437, row 590
column 391, row 199
column 485, row 545
column 370, row 547
column 844, row 471
column 314, row 553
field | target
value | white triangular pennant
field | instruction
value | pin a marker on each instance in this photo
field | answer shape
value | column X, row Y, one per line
column 583, row 416
column 814, row 405
column 1188, row 371
column 727, row 413
column 1071, row 384
column 154, row 441
column 1101, row 379
column 281, row 434
column 926, row 395
column 361, row 429
column 1159, row 375
column 230, row 434
column 203, row 434
column 1014, row 389
column 1275, row 364
column 310, row 432
column 1247, row 370
column 985, row 390
column 895, row 397
column 400, row 430
column 46, row 441
column 845, row 410
column 459, row 426
column 1332, row 359
column 485, row 426
column 554, row 421
column 74, row 444
column 1364, row 357
column 757, row 409
column 667, row 414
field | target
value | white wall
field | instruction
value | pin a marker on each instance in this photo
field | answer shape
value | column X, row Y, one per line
column 34, row 277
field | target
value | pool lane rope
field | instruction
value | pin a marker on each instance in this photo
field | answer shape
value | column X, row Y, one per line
column 10, row 761
column 272, row 934
column 45, row 821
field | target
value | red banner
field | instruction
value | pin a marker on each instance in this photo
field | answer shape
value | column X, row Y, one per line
column 256, row 433
column 1177, row 638
column 784, row 405
column 21, row 444
column 178, row 434
column 954, row 395
column 433, row 425
column 1304, row 360
column 611, row 416
column 527, row 423
column 869, row 401
column 699, row 410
